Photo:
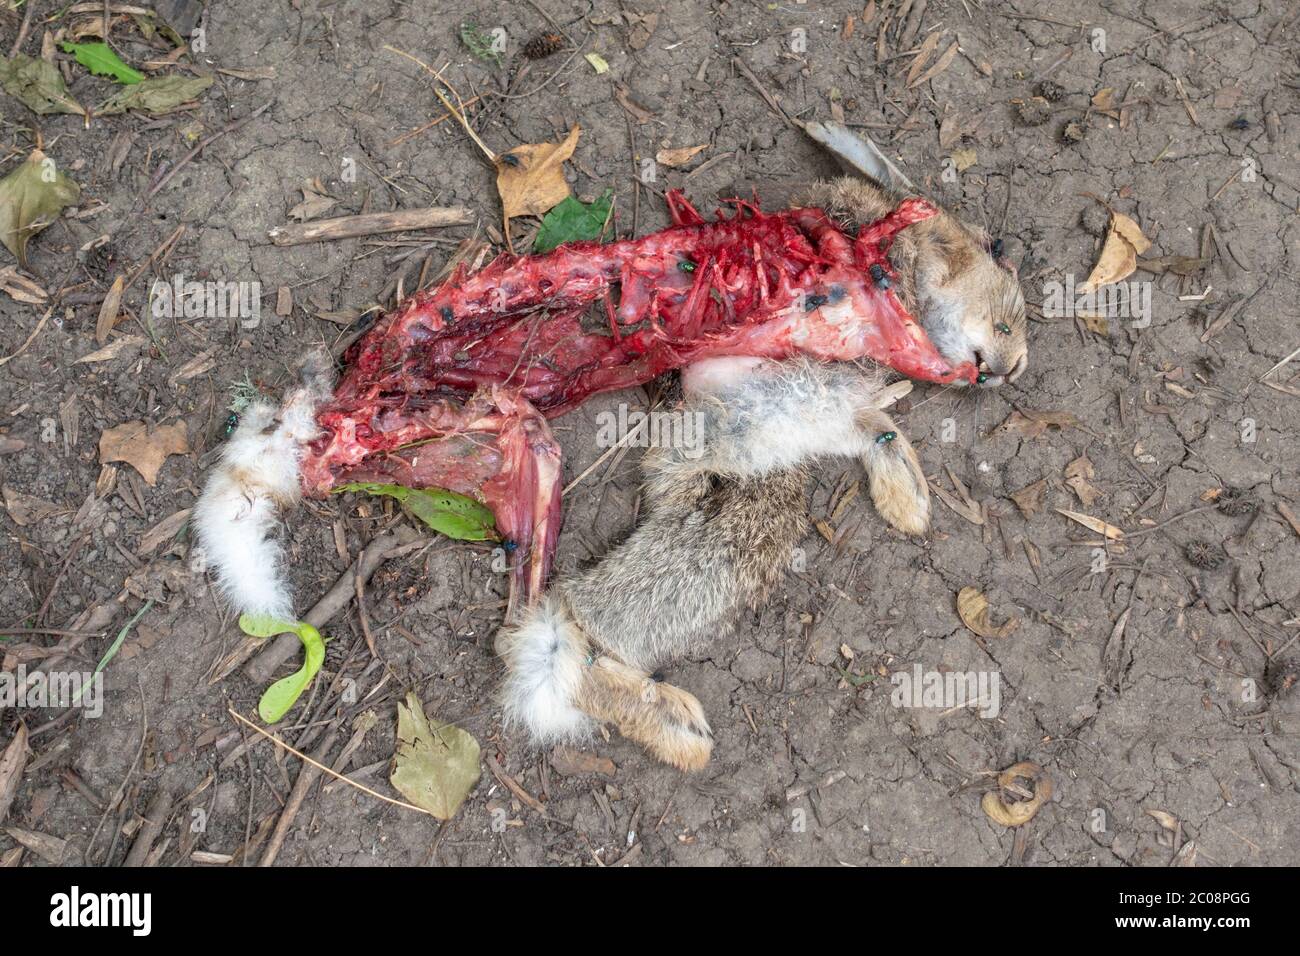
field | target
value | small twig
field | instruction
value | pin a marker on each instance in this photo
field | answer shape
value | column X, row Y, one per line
column 259, row 669
column 324, row 769
column 460, row 116
column 429, row 125
column 121, row 790
column 307, row 777
column 22, row 30
column 370, row 224
column 155, row 818
column 67, row 562
column 203, row 144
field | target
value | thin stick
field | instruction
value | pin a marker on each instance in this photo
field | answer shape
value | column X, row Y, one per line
column 429, row 125
column 121, row 790
column 460, row 117
column 203, row 144
column 22, row 30
column 633, row 434
column 31, row 338
column 324, row 769
column 307, row 778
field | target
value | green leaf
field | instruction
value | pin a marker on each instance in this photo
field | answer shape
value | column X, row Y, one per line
column 479, row 43
column 456, row 516
column 31, row 197
column 38, row 85
column 114, row 647
column 280, row 697
column 436, row 765
column 571, row 221
column 155, row 95
column 100, row 59
column 856, row 680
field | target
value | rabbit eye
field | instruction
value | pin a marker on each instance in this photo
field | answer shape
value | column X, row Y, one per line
column 1002, row 328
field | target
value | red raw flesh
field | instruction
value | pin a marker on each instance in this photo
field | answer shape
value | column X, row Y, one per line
column 472, row 368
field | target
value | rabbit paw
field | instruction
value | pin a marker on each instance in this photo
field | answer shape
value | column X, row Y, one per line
column 897, row 483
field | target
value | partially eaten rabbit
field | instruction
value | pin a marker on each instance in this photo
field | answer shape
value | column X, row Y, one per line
column 719, row 528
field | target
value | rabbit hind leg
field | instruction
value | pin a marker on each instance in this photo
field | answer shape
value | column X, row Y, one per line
column 668, row 721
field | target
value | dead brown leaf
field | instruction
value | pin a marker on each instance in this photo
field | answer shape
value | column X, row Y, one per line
column 49, row 848
column 315, row 202
column 973, row 609
column 109, row 310
column 1077, row 475
column 1118, row 259
column 1030, row 498
column 569, row 762
column 530, row 178
column 1017, row 810
column 12, row 762
column 1032, row 424
column 164, row 530
column 20, row 287
column 113, row 349
column 923, row 55
column 1094, row 524
column 679, row 156
column 942, row 64
column 964, row 158
column 27, row 509
column 142, row 448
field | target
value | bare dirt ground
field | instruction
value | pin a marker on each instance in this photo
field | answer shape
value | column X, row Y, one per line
column 1140, row 681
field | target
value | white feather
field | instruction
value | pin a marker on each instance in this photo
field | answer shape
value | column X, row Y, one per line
column 545, row 656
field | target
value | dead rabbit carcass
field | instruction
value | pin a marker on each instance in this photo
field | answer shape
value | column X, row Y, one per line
column 454, row 390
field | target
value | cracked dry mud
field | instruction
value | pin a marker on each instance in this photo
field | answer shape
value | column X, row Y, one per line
column 1155, row 718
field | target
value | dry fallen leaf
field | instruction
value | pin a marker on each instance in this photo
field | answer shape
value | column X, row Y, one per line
column 49, row 848
column 964, row 159
column 1097, row 324
column 20, row 287
column 1118, row 259
column 144, row 450
column 27, row 509
column 942, row 64
column 1095, row 524
column 113, row 349
column 530, row 178
column 922, row 57
column 1077, row 474
column 1031, row 424
column 1165, row 819
column 315, row 202
column 164, row 530
column 12, row 762
column 109, row 309
column 1030, row 498
column 973, row 609
column 1017, row 812
column 569, row 763
column 678, row 157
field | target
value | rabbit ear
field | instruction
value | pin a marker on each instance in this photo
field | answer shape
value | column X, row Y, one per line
column 859, row 156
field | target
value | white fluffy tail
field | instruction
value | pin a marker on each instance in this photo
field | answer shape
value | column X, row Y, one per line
column 257, row 477
column 545, row 655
